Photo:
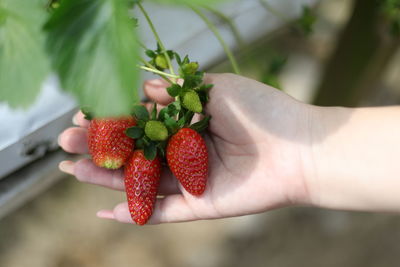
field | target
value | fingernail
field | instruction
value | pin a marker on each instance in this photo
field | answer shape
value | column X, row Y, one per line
column 59, row 139
column 74, row 120
column 105, row 214
column 67, row 166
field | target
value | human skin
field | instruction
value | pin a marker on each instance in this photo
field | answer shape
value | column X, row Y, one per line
column 266, row 151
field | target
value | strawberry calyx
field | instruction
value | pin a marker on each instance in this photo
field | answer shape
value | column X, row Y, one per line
column 87, row 112
column 150, row 132
column 157, row 57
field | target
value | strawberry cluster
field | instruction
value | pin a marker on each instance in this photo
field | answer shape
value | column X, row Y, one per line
column 146, row 141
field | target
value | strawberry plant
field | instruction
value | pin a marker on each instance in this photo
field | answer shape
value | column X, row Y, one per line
column 141, row 141
column 93, row 47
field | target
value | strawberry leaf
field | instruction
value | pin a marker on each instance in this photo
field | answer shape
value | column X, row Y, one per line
column 94, row 51
column 161, row 114
column 140, row 112
column 178, row 58
column 23, row 60
column 193, row 80
column 139, row 144
column 174, row 90
column 171, row 124
column 186, row 119
column 87, row 112
column 150, row 53
column 141, row 123
column 135, row 132
column 201, row 125
column 150, row 151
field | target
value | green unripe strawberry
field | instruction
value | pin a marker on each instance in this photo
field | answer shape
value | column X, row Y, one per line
column 191, row 101
column 161, row 62
column 156, row 130
column 190, row 68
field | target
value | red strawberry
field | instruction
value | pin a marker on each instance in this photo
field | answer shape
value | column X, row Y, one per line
column 142, row 178
column 187, row 158
column 108, row 144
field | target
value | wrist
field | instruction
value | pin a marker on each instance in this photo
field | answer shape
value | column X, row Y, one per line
column 321, row 157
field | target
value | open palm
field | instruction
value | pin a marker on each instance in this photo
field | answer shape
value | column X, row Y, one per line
column 256, row 143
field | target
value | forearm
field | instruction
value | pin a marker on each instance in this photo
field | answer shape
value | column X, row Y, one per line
column 355, row 159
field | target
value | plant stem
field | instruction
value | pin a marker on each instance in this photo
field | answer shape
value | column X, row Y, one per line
column 159, row 72
column 229, row 22
column 273, row 11
column 217, row 34
column 154, row 68
column 153, row 29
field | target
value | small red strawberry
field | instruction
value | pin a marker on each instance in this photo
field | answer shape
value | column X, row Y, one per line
column 187, row 158
column 142, row 178
column 108, row 144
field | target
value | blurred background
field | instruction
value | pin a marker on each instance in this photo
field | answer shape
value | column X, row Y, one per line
column 332, row 52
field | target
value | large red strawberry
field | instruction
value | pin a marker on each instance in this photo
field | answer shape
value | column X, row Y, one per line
column 142, row 178
column 108, row 144
column 187, row 158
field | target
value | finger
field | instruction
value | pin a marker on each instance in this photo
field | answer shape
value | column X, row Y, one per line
column 74, row 140
column 79, row 120
column 156, row 91
column 173, row 208
column 87, row 172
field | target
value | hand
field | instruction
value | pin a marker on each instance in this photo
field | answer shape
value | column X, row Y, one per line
column 257, row 142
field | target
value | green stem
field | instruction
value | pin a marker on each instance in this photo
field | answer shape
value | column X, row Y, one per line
column 217, row 34
column 154, row 68
column 229, row 22
column 153, row 29
column 273, row 11
column 159, row 72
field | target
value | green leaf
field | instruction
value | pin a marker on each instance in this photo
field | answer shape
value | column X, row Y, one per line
column 139, row 143
column 186, row 119
column 141, row 112
column 141, row 123
column 154, row 111
column 174, row 90
column 150, row 53
column 178, row 58
column 201, row 125
column 94, row 51
column 161, row 114
column 307, row 20
column 193, row 80
column 171, row 54
column 150, row 151
column 171, row 124
column 87, row 112
column 169, row 111
column 134, row 132
column 161, row 148
column 23, row 61
column 203, row 96
column 174, row 108
column 205, row 87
